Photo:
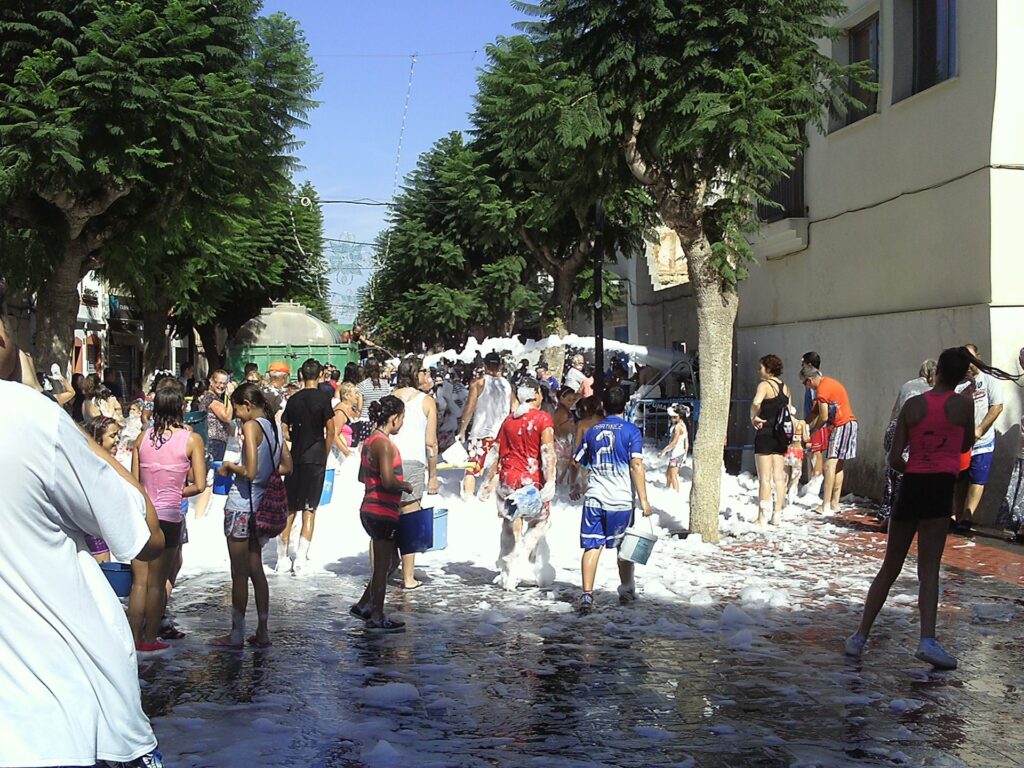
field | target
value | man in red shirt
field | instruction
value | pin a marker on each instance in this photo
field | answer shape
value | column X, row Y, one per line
column 525, row 472
column 833, row 409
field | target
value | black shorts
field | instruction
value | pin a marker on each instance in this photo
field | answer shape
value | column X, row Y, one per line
column 304, row 486
column 766, row 443
column 379, row 528
column 925, row 497
column 172, row 534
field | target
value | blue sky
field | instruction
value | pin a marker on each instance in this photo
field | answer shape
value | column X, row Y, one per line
column 363, row 52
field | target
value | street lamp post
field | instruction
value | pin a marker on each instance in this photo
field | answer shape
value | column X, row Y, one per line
column 598, row 291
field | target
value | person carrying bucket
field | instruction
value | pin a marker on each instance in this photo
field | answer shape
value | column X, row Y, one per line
column 380, row 470
column 526, row 475
column 611, row 457
column 417, row 444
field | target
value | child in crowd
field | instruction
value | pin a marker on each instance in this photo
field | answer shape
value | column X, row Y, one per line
column 794, row 461
column 381, row 473
column 107, row 434
column 677, row 448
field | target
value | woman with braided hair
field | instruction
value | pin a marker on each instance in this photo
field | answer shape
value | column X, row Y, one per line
column 380, row 471
column 162, row 459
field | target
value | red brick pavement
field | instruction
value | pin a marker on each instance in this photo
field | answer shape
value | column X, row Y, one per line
column 1005, row 562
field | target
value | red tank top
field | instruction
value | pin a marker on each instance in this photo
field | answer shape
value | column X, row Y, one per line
column 935, row 443
column 377, row 501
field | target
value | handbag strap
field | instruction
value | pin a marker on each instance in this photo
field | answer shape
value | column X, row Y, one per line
column 273, row 451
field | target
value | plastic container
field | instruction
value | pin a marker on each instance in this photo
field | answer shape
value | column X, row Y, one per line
column 416, row 531
column 456, row 454
column 119, row 575
column 328, row 492
column 221, row 485
column 637, row 545
column 440, row 530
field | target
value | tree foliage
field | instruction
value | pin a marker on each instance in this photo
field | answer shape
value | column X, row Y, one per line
column 135, row 128
column 706, row 103
column 449, row 265
column 709, row 101
column 533, row 127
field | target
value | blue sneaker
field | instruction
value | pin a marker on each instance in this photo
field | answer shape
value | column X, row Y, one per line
column 855, row 645
column 586, row 603
column 930, row 651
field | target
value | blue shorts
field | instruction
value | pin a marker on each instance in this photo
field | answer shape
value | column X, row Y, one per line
column 603, row 528
column 981, row 466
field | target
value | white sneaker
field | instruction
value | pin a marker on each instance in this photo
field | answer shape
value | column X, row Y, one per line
column 930, row 651
column 855, row 645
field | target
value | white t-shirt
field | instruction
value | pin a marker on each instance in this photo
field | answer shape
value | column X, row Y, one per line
column 68, row 674
column 987, row 393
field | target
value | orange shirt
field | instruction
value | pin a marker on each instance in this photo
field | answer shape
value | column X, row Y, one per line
column 831, row 391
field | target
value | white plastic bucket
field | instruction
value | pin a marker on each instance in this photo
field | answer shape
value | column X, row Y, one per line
column 637, row 545
column 456, row 454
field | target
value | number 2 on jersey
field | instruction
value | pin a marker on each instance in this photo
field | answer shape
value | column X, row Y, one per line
column 607, row 437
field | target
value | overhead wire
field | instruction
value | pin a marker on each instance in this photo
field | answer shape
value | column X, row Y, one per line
column 401, row 139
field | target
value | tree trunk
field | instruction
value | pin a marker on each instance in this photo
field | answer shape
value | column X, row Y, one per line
column 562, row 297
column 57, row 310
column 717, row 305
column 154, row 338
column 208, row 335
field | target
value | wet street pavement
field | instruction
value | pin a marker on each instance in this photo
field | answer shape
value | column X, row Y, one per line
column 729, row 676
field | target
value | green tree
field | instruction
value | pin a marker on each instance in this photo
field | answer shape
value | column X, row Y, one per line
column 533, row 128
column 449, row 263
column 206, row 280
column 707, row 103
column 131, row 126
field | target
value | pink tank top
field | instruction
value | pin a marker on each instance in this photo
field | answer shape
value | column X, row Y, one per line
column 162, row 472
column 935, row 443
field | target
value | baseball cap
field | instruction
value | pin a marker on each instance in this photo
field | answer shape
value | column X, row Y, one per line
column 492, row 359
column 279, row 366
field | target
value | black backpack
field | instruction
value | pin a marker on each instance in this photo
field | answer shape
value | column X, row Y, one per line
column 783, row 426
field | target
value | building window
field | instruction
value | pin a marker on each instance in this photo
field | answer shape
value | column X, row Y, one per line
column 788, row 196
column 934, row 42
column 926, row 49
column 863, row 47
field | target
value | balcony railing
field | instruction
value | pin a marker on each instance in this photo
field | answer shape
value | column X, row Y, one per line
column 788, row 192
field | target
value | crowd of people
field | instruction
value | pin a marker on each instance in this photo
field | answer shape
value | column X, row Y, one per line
column 939, row 445
column 120, row 474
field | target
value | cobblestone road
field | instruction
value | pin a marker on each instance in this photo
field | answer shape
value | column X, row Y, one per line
column 488, row 678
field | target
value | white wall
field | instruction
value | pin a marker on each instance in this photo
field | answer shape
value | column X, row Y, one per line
column 872, row 356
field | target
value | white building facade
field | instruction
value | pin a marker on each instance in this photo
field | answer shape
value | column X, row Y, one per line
column 905, row 239
column 898, row 235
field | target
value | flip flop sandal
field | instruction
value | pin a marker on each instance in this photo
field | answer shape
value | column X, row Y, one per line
column 385, row 625
column 171, row 633
column 251, row 640
column 226, row 644
column 409, row 589
column 359, row 613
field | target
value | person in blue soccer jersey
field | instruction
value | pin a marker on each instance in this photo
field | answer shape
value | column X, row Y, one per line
column 611, row 456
